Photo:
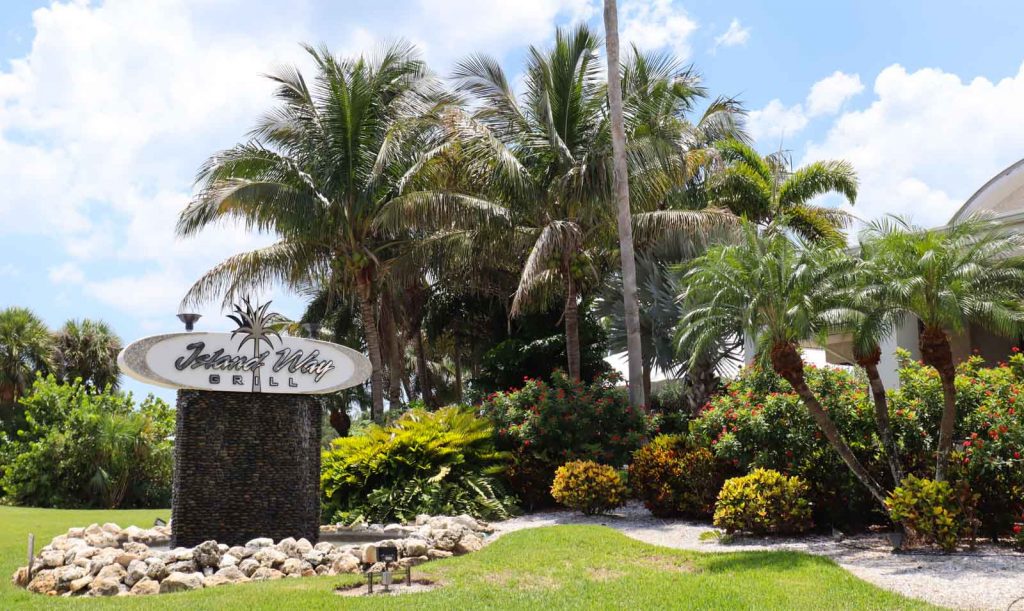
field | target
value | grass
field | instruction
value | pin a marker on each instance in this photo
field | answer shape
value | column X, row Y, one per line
column 561, row 567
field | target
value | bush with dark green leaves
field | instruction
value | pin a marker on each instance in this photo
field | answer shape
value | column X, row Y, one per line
column 85, row 448
column 545, row 425
column 440, row 463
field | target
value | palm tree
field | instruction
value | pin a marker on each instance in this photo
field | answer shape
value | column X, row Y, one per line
column 256, row 324
column 620, row 182
column 26, row 348
column 768, row 288
column 763, row 189
column 317, row 173
column 88, row 349
column 969, row 272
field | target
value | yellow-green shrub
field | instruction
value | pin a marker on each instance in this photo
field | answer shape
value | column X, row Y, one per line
column 930, row 510
column 588, row 486
column 763, row 502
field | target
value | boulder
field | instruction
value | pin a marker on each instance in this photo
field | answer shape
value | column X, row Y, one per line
column 289, row 547
column 435, row 554
column 323, row 569
column 207, row 554
column 76, row 533
column 20, row 577
column 182, row 566
column 270, row 557
column 52, row 558
column 241, row 552
column 248, row 566
column 293, row 566
column 266, row 574
column 103, row 558
column 324, row 547
column 145, row 587
column 132, row 533
column 156, row 568
column 112, row 528
column 43, row 582
column 259, row 542
column 232, row 574
column 446, row 539
column 412, row 560
column 415, row 547
column 314, row 557
column 466, row 520
column 135, row 547
column 227, row 560
column 212, row 581
column 422, row 519
column 124, row 559
column 181, row 553
column 105, row 586
column 346, row 563
column 80, row 584
column 136, row 572
column 177, row 582
column 469, row 543
column 303, row 545
column 66, row 574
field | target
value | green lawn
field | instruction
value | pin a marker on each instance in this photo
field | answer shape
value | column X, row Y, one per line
column 563, row 567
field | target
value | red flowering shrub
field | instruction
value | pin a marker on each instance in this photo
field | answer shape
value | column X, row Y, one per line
column 547, row 424
column 758, row 422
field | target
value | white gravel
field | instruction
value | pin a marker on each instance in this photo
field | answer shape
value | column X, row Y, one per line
column 987, row 577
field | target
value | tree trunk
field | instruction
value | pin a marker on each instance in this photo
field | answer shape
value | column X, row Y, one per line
column 395, row 359
column 647, row 380
column 936, row 352
column 702, row 384
column 422, row 372
column 786, row 362
column 639, row 385
column 870, row 365
column 572, row 329
column 373, row 347
column 458, row 372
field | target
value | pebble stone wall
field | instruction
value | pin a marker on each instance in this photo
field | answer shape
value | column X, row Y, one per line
column 246, row 465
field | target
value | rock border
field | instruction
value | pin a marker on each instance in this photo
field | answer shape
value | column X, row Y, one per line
column 107, row 560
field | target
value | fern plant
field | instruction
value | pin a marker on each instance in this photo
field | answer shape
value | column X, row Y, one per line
column 440, row 462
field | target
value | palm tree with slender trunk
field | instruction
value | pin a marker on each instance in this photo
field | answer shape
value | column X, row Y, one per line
column 26, row 348
column 620, row 183
column 771, row 289
column 87, row 349
column 319, row 169
column 969, row 272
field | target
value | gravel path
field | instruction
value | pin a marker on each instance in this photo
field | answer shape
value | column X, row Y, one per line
column 986, row 578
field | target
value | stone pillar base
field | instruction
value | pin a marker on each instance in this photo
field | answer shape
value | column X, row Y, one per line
column 246, row 465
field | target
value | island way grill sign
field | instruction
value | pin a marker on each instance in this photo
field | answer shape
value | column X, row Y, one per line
column 253, row 358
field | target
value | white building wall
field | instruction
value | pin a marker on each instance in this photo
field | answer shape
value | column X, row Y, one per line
column 905, row 336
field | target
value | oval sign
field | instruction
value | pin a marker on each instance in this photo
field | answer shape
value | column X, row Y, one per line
column 222, row 361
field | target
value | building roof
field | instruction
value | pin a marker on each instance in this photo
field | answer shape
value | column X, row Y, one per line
column 1002, row 195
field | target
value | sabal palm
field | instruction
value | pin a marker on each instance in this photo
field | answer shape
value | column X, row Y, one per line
column 969, row 272
column 87, row 349
column 763, row 189
column 317, row 173
column 26, row 348
column 768, row 288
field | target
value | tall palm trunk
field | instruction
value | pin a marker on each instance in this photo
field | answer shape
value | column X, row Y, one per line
column 702, row 382
column 870, row 365
column 456, row 357
column 394, row 351
column 572, row 329
column 646, row 379
column 787, row 362
column 936, row 352
column 639, row 385
column 373, row 347
column 422, row 371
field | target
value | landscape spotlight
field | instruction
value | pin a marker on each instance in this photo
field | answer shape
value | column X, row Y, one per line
column 189, row 320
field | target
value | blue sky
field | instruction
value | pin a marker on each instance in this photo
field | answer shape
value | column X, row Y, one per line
column 108, row 108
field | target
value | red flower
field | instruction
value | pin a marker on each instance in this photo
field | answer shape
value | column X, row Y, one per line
column 1016, row 454
column 967, row 443
column 1016, row 529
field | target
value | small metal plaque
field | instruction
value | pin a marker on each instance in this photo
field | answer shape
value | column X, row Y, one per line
column 387, row 554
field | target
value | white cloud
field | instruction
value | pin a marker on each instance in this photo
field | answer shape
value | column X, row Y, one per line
column 826, row 97
column 9, row 270
column 735, row 35
column 66, row 273
column 776, row 120
column 927, row 140
column 829, row 94
column 656, row 24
